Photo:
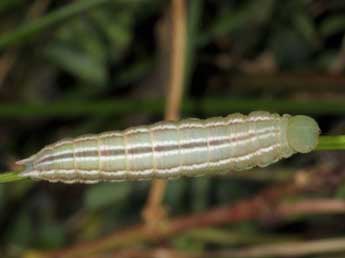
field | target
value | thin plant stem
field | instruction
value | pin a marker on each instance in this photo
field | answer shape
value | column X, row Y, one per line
column 336, row 142
column 254, row 208
column 154, row 211
column 208, row 106
column 8, row 177
column 296, row 248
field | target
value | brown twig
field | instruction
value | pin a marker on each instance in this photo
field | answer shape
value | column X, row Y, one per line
column 262, row 206
column 287, row 249
column 154, row 212
column 140, row 233
column 175, row 89
column 244, row 210
column 284, row 210
column 318, row 206
column 291, row 249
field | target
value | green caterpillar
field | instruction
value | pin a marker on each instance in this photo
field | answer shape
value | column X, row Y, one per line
column 190, row 147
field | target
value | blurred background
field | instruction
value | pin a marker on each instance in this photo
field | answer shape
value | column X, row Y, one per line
column 73, row 67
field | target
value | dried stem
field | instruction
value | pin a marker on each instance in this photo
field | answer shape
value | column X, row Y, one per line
column 315, row 206
column 287, row 249
column 175, row 90
column 265, row 205
column 259, row 207
column 291, row 249
column 154, row 212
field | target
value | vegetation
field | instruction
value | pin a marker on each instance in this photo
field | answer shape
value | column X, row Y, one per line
column 74, row 67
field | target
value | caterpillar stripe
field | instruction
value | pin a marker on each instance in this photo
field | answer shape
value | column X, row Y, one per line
column 190, row 147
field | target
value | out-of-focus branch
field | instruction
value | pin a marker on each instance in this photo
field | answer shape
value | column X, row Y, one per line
column 259, row 207
column 154, row 212
column 287, row 249
column 243, row 210
column 264, row 205
column 209, row 106
column 306, row 207
column 291, row 249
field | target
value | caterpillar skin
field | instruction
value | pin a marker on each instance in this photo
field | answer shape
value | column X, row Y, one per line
column 190, row 147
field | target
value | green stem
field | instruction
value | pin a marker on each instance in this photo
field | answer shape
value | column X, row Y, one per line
column 10, row 177
column 208, row 106
column 336, row 142
column 28, row 30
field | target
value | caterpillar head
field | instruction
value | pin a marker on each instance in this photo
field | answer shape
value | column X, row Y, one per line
column 302, row 133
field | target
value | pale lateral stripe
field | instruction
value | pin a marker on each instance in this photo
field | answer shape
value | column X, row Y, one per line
column 122, row 174
column 201, row 165
column 74, row 155
column 223, row 139
column 161, row 126
column 154, row 162
column 196, row 123
column 126, row 154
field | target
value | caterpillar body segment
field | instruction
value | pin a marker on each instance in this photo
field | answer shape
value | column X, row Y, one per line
column 190, row 147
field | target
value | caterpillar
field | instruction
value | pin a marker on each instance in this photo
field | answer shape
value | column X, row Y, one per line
column 190, row 147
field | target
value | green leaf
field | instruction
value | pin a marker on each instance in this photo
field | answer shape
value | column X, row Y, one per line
column 28, row 30
column 174, row 194
column 200, row 190
column 332, row 25
column 81, row 35
column 116, row 29
column 291, row 49
column 21, row 231
column 80, row 64
column 50, row 235
column 341, row 192
column 306, row 27
column 134, row 72
column 231, row 20
column 106, row 194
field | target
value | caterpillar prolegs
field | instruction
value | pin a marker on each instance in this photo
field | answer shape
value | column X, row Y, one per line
column 190, row 147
